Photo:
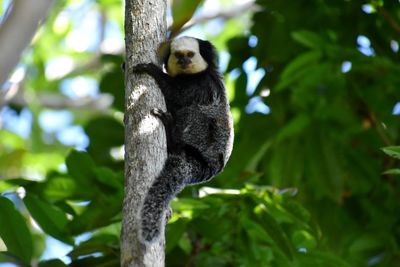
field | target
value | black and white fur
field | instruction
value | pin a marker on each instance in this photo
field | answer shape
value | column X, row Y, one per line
column 198, row 124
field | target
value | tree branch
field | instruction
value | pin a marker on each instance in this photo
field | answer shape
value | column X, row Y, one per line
column 145, row 143
column 16, row 95
column 222, row 14
column 17, row 31
column 389, row 19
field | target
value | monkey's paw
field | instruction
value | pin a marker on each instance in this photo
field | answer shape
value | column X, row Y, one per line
column 164, row 116
column 157, row 112
column 142, row 67
column 168, row 214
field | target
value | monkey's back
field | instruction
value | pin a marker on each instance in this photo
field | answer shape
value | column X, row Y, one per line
column 202, row 116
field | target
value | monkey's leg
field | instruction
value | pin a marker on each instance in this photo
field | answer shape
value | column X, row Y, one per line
column 206, row 165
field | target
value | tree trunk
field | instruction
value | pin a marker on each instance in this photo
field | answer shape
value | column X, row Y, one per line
column 145, row 145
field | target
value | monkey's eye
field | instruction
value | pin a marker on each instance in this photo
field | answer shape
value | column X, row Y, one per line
column 179, row 55
column 190, row 54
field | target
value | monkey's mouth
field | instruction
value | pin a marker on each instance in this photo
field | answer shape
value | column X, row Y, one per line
column 185, row 66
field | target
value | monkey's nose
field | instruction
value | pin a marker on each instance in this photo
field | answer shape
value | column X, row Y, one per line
column 184, row 62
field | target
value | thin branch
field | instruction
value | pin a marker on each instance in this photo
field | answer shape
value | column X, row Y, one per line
column 17, row 30
column 15, row 95
column 389, row 19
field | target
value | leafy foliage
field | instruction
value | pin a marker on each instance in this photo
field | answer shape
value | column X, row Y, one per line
column 307, row 183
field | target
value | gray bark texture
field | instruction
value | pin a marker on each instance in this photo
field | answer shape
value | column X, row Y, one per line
column 145, row 143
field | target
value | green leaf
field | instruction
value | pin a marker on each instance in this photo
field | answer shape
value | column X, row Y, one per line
column 59, row 187
column 294, row 127
column 211, row 228
column 108, row 178
column 50, row 218
column 109, row 260
column 8, row 257
column 303, row 239
column 103, row 243
column 256, row 158
column 174, row 233
column 392, row 172
column 307, row 38
column 52, row 263
column 275, row 232
column 298, row 67
column 102, row 141
column 393, row 151
column 113, row 83
column 95, row 215
column 184, row 204
column 366, row 242
column 323, row 259
column 182, row 12
column 254, row 229
column 185, row 244
column 81, row 168
column 14, row 231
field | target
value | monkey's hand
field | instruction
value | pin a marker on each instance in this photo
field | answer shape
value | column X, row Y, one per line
column 162, row 79
column 149, row 68
column 168, row 121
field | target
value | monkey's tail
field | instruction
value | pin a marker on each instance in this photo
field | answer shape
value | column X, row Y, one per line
column 169, row 183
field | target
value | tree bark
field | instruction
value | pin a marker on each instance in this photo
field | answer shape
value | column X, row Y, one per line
column 145, row 145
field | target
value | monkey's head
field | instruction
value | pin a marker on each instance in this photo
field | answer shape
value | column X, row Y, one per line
column 189, row 55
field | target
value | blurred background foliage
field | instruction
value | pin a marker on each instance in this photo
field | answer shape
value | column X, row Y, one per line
column 314, row 176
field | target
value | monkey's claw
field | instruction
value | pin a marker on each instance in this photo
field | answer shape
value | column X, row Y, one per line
column 164, row 116
column 157, row 112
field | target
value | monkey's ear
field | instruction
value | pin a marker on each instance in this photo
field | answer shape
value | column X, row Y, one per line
column 163, row 51
column 208, row 52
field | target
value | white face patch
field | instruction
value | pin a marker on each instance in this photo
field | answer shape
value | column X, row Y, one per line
column 185, row 46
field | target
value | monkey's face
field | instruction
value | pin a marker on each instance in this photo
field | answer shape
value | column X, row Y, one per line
column 185, row 57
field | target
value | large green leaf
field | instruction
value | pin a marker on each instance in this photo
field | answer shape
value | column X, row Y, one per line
column 321, row 259
column 299, row 67
column 100, row 212
column 8, row 257
column 52, row 263
column 51, row 219
column 80, row 166
column 112, row 83
column 276, row 233
column 174, row 233
column 14, row 231
column 104, row 243
column 393, row 151
column 182, row 12
column 308, row 39
column 59, row 187
column 392, row 172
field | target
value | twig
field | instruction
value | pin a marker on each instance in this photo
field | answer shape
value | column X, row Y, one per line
column 389, row 19
column 17, row 31
column 15, row 95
